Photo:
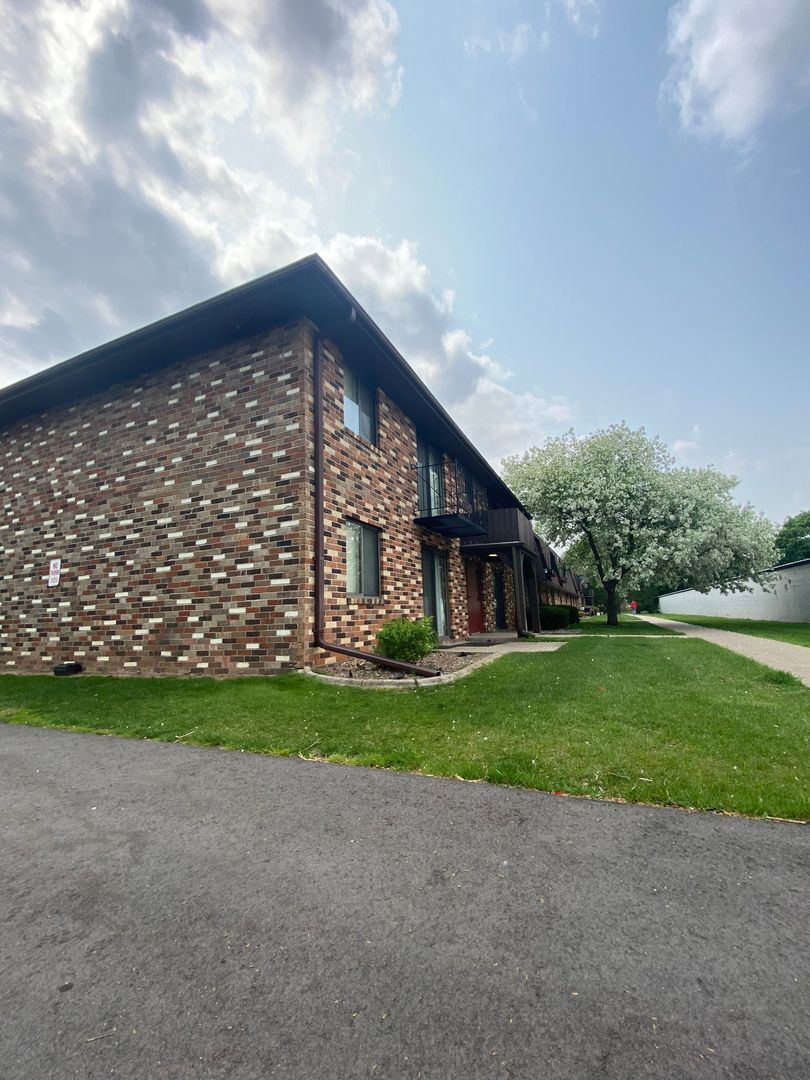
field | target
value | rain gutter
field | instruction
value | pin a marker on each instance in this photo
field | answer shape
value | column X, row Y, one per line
column 320, row 575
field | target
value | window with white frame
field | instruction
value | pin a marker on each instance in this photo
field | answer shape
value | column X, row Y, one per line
column 362, row 560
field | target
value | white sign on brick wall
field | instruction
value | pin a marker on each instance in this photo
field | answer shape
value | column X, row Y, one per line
column 55, row 572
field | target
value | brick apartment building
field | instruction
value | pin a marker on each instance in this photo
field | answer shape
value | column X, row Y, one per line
column 239, row 487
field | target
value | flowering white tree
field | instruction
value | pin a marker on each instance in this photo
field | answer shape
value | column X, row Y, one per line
column 631, row 518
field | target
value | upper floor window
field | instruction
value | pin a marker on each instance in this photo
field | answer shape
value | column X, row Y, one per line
column 430, row 478
column 358, row 407
column 469, row 489
column 362, row 560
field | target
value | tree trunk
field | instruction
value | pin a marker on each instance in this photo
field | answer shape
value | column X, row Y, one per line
column 612, row 603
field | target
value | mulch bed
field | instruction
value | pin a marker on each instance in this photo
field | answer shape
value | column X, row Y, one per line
column 442, row 661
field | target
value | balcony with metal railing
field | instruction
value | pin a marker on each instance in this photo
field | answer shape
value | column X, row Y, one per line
column 449, row 501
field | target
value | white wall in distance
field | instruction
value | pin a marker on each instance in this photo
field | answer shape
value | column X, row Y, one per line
column 785, row 599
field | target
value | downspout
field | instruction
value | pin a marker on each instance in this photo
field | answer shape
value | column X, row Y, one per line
column 320, row 576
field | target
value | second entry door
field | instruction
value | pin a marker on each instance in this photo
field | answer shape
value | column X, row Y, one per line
column 475, row 599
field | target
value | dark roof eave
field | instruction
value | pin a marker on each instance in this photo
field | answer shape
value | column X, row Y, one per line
column 299, row 289
column 31, row 393
column 389, row 349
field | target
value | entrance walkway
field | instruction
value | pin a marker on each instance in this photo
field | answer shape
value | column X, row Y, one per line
column 776, row 654
column 486, row 654
column 497, row 637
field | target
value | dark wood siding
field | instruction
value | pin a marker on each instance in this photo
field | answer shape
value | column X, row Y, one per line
column 505, row 526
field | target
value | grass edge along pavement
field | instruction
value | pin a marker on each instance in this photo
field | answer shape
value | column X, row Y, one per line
column 692, row 726
column 791, row 633
column 629, row 625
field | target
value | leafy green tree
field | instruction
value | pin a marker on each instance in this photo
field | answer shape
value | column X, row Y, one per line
column 631, row 518
column 793, row 539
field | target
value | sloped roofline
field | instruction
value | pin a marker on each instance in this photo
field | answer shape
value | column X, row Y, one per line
column 308, row 288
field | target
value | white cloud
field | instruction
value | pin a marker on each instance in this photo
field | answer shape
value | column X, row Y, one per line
column 528, row 110
column 531, row 37
column 512, row 44
column 156, row 151
column 14, row 313
column 476, row 46
column 396, row 289
column 691, row 452
column 737, row 61
column 685, row 450
column 734, row 463
column 515, row 43
column 584, row 14
column 530, row 418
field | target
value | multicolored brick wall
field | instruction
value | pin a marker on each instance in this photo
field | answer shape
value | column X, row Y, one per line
column 181, row 506
column 553, row 595
column 490, row 620
column 509, row 593
column 377, row 486
column 174, row 503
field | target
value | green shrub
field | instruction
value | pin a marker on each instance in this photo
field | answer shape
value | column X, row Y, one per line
column 573, row 614
column 407, row 639
column 554, row 617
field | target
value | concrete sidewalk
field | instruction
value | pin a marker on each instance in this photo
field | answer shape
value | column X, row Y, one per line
column 776, row 654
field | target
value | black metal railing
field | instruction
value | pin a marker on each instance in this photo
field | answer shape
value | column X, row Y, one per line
column 449, row 500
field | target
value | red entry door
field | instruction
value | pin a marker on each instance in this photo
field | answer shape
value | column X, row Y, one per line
column 475, row 605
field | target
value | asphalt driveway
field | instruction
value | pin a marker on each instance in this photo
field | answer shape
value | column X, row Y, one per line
column 172, row 912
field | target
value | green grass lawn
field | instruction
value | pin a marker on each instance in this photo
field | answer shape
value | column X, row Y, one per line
column 628, row 624
column 687, row 724
column 794, row 632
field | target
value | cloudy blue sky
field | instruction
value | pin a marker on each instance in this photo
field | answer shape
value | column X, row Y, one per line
column 564, row 213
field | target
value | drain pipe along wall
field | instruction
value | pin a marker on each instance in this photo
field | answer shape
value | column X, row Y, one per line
column 320, row 576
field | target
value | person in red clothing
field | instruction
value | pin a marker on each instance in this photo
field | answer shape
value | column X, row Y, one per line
column 634, row 607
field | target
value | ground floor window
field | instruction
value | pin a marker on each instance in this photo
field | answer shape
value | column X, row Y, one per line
column 434, row 589
column 362, row 560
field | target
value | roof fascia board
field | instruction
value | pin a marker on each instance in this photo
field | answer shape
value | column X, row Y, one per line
column 78, row 369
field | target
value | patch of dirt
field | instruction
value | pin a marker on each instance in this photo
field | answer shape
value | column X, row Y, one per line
column 442, row 661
